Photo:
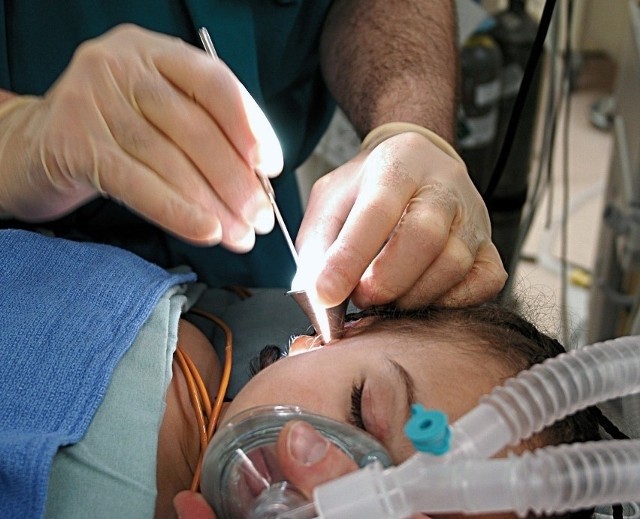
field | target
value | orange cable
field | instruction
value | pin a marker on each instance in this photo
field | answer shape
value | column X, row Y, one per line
column 226, row 370
column 194, row 397
column 222, row 389
column 202, row 389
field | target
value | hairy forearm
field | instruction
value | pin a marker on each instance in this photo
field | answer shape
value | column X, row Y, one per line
column 27, row 189
column 392, row 61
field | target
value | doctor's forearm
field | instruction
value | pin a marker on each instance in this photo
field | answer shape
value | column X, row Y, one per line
column 392, row 61
column 28, row 192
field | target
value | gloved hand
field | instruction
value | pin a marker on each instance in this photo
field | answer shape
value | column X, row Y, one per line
column 152, row 123
column 400, row 222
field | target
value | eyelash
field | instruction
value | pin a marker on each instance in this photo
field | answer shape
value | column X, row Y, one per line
column 356, row 406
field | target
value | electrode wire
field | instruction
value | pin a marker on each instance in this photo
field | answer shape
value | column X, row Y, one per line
column 207, row 415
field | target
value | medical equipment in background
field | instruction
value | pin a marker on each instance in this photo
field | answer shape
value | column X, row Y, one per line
column 614, row 307
column 481, row 66
column 551, row 479
column 497, row 122
column 515, row 33
column 241, row 477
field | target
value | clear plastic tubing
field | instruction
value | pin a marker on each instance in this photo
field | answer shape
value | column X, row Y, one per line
column 544, row 394
column 553, row 479
column 523, row 406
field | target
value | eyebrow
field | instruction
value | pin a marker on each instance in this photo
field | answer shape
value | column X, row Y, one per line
column 408, row 382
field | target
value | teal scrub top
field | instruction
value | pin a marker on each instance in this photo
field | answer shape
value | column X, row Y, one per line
column 271, row 45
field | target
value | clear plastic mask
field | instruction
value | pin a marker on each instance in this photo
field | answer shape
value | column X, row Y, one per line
column 241, row 475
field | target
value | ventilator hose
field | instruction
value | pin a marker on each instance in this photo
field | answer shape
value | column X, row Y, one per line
column 547, row 392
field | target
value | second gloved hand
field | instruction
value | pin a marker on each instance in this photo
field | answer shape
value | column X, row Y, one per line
column 152, row 123
column 401, row 222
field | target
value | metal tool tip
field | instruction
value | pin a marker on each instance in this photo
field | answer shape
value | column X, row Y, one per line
column 328, row 322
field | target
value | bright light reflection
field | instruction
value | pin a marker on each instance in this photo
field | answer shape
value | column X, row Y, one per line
column 310, row 262
column 322, row 321
column 269, row 158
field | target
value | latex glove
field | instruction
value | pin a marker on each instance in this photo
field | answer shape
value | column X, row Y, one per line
column 152, row 123
column 401, row 222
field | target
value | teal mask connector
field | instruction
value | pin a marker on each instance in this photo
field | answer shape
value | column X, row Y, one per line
column 428, row 430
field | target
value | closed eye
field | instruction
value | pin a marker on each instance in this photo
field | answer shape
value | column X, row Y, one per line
column 356, row 406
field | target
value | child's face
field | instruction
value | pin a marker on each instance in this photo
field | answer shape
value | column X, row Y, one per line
column 394, row 370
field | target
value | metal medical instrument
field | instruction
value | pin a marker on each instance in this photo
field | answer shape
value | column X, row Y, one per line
column 327, row 322
column 264, row 181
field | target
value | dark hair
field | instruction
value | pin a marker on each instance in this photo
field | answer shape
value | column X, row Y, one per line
column 267, row 356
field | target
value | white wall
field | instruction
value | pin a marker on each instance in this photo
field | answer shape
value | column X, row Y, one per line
column 602, row 26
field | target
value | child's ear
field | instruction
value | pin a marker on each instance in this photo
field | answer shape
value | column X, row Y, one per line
column 304, row 343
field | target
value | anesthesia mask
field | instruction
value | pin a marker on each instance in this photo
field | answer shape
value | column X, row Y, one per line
column 241, row 475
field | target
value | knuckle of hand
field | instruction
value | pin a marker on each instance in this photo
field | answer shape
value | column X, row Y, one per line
column 327, row 221
column 382, row 211
column 93, row 55
column 434, row 234
column 459, row 169
column 438, row 196
column 381, row 286
column 153, row 90
column 126, row 30
column 68, row 99
column 321, row 185
column 388, row 168
column 462, row 256
column 130, row 136
column 193, row 224
column 495, row 275
column 349, row 267
column 396, row 174
column 382, row 293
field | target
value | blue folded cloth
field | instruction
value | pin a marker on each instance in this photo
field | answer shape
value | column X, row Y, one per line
column 68, row 312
